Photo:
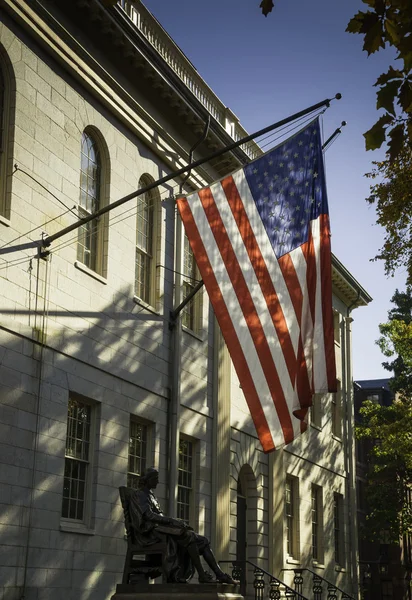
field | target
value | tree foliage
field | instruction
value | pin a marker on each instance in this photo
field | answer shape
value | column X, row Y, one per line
column 386, row 23
column 389, row 23
column 392, row 196
column 389, row 430
column 396, row 341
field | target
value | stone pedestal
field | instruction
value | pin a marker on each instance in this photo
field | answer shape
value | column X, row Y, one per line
column 177, row 591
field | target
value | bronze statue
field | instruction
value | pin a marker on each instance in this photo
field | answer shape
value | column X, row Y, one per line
column 184, row 546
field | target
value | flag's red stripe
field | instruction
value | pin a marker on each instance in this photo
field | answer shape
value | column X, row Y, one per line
column 303, row 385
column 249, row 311
column 310, row 255
column 326, row 282
column 225, row 322
column 262, row 273
column 289, row 275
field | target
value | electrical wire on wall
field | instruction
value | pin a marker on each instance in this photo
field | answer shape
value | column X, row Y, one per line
column 40, row 327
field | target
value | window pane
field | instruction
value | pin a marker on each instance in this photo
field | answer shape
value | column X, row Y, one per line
column 89, row 199
column 185, row 479
column 191, row 276
column 2, row 115
column 138, row 440
column 144, row 244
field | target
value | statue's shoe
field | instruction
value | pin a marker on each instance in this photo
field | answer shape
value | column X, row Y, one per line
column 207, row 578
column 225, row 578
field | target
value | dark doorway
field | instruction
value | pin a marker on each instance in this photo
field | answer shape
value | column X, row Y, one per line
column 241, row 534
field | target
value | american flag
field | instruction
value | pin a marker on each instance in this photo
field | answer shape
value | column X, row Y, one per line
column 261, row 240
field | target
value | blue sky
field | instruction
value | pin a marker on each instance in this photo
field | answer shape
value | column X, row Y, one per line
column 265, row 69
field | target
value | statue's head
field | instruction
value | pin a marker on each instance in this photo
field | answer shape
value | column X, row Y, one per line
column 150, row 478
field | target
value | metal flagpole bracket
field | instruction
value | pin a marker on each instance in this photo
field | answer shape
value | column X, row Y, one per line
column 175, row 313
column 51, row 238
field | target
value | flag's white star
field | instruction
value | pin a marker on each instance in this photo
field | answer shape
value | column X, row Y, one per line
column 255, row 171
column 306, row 183
column 315, row 175
column 300, row 143
column 302, row 222
column 281, row 164
column 260, row 185
column 296, row 155
column 265, row 173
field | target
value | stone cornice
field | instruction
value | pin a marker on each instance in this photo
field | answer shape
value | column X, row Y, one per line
column 46, row 31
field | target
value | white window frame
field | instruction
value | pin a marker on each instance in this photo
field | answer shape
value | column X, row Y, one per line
column 192, row 313
column 336, row 328
column 85, row 521
column 148, row 254
column 96, row 226
column 5, row 150
column 316, row 411
column 336, row 412
column 292, row 517
column 338, row 529
column 192, row 487
column 144, row 464
column 317, row 495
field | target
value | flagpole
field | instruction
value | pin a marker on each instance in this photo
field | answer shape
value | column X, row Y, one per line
column 49, row 239
column 175, row 313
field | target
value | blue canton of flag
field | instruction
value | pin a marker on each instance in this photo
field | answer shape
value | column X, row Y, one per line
column 289, row 190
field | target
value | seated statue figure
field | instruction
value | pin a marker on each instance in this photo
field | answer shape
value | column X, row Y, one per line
column 184, row 546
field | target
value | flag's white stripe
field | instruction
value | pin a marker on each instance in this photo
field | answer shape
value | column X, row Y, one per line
column 319, row 359
column 256, row 293
column 269, row 257
column 299, row 262
column 238, row 323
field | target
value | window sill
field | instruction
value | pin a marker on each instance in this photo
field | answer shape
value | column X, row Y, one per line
column 317, row 565
column 197, row 336
column 145, row 305
column 340, row 569
column 89, row 272
column 318, row 427
column 5, row 221
column 76, row 528
column 292, row 561
column 336, row 438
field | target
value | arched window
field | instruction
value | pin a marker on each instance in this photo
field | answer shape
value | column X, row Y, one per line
column 192, row 312
column 6, row 123
column 146, row 224
column 89, row 240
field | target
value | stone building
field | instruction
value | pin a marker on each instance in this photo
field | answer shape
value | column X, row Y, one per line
column 95, row 102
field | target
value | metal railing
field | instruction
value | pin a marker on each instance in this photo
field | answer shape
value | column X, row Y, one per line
column 177, row 61
column 320, row 586
column 266, row 586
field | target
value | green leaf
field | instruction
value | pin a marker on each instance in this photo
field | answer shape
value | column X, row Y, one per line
column 355, row 24
column 392, row 32
column 266, row 6
column 385, row 77
column 373, row 39
column 405, row 96
column 409, row 129
column 376, row 135
column 407, row 61
column 385, row 97
column 397, row 140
